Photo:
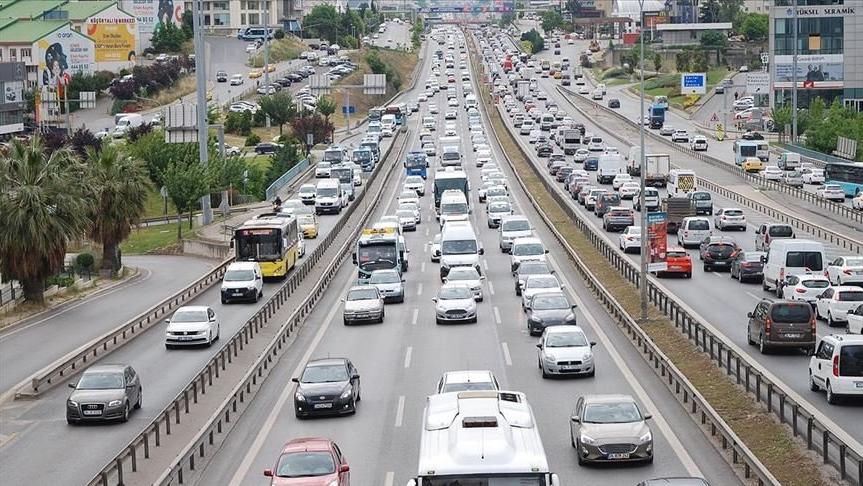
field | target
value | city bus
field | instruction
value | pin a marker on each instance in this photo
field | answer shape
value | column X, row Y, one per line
column 270, row 240
column 744, row 149
column 398, row 111
column 377, row 249
column 511, row 451
column 416, row 163
column 849, row 175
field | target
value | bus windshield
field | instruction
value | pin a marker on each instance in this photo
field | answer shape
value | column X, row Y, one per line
column 343, row 174
column 332, row 155
column 748, row 150
column 258, row 244
column 527, row 479
column 415, row 159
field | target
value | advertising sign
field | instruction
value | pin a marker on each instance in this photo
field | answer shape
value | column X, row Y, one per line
column 693, row 83
column 13, row 91
column 63, row 53
column 657, row 241
column 114, row 35
column 823, row 70
column 757, row 83
column 149, row 13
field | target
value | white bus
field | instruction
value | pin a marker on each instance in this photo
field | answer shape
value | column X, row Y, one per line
column 481, row 438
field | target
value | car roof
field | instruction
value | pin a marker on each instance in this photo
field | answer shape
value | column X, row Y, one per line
column 468, row 376
column 242, row 266
column 607, row 398
column 193, row 308
column 307, row 444
column 327, row 362
column 563, row 328
column 106, row 367
column 362, row 287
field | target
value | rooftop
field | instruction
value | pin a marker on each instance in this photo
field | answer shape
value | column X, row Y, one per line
column 706, row 26
column 79, row 10
column 27, row 31
column 27, row 9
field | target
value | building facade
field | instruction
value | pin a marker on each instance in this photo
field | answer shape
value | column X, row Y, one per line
column 229, row 16
column 758, row 6
column 829, row 51
column 13, row 77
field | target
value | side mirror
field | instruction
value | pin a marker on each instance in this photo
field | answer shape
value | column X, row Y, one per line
column 231, row 244
column 750, row 315
column 354, row 257
column 648, row 416
column 73, row 384
column 168, row 320
column 555, row 480
column 575, row 419
column 482, row 251
column 342, row 300
column 434, row 299
column 295, row 380
column 482, row 277
column 411, row 482
column 539, row 345
column 592, row 344
column 546, row 251
column 355, row 376
column 268, row 473
column 344, row 468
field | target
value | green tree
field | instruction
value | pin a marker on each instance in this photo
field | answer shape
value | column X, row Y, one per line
column 156, row 154
column 535, row 39
column 283, row 160
column 239, row 122
column 167, row 37
column 326, row 107
column 526, row 46
column 754, row 26
column 324, row 22
column 681, row 61
column 657, row 62
column 45, row 204
column 782, row 117
column 121, row 184
column 699, row 62
column 279, row 107
column 551, row 20
column 719, row 10
column 186, row 182
column 714, row 40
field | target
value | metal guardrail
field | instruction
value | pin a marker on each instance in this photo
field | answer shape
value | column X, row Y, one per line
column 183, row 403
column 836, row 447
column 675, row 380
column 813, row 155
column 842, row 241
column 286, row 178
column 96, row 349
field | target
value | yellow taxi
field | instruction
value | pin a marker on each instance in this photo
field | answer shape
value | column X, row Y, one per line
column 558, row 75
column 255, row 73
column 752, row 164
column 270, row 68
column 308, row 225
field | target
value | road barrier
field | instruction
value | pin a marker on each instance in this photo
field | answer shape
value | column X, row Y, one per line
column 223, row 420
column 756, row 179
column 836, row 447
column 286, row 178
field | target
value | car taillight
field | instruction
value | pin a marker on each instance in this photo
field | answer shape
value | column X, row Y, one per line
column 846, row 272
column 768, row 323
column 836, row 366
column 812, row 326
column 800, row 291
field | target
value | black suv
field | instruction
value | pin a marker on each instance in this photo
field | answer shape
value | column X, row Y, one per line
column 717, row 252
column 782, row 323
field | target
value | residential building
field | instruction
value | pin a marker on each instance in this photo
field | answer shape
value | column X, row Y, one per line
column 829, row 51
column 673, row 35
column 12, row 106
column 758, row 6
column 229, row 16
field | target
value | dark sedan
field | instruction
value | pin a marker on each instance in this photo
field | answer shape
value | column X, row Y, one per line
column 221, row 77
column 104, row 392
column 544, row 150
column 747, row 265
column 591, row 163
column 614, row 103
column 717, row 252
column 329, row 386
column 266, row 148
column 549, row 309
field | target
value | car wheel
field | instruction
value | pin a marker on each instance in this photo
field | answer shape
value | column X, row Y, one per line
column 169, row 346
column 125, row 417
column 830, row 321
column 832, row 399
column 705, row 267
column 140, row 398
column 812, row 385
column 346, row 322
column 763, row 348
column 764, row 286
column 436, row 320
column 224, row 301
column 544, row 373
column 581, row 460
column 71, row 422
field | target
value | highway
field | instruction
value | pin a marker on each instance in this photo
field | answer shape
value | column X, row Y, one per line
column 720, row 300
column 40, row 425
column 400, row 361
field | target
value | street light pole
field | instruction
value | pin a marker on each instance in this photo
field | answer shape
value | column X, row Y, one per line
column 794, row 76
column 201, row 100
column 643, row 170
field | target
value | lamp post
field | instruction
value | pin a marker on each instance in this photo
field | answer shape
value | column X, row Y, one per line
column 794, row 75
column 643, row 170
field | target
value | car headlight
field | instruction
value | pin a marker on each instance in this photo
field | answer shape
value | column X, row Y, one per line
column 347, row 392
column 299, row 397
column 72, row 403
column 115, row 403
column 588, row 356
column 535, row 319
column 644, row 439
column 251, row 287
column 550, row 358
column 586, row 439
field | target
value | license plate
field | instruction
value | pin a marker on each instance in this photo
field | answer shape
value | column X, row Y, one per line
column 237, row 294
column 622, row 455
column 569, row 368
column 323, row 405
column 794, row 335
column 92, row 412
column 185, row 338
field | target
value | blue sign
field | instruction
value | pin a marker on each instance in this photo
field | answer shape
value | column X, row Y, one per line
column 693, row 83
column 348, row 109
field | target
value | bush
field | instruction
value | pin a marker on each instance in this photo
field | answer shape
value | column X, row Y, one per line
column 59, row 280
column 614, row 72
column 253, row 140
column 239, row 123
column 84, row 260
column 279, row 34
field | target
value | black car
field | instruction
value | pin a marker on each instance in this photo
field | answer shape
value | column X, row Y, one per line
column 752, row 136
column 266, row 148
column 614, row 103
column 295, row 77
column 549, row 309
column 284, row 82
column 221, row 77
column 529, row 268
column 329, row 386
column 747, row 265
column 717, row 252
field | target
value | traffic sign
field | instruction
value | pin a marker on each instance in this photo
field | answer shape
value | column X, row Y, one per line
column 757, row 83
column 349, row 109
column 714, row 118
column 693, row 83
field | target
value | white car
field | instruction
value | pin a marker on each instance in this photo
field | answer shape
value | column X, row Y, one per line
column 680, row 136
column 322, row 170
column 620, row 180
column 855, row 320
column 630, row 239
column 434, row 251
column 835, row 366
column 450, row 115
column 772, row 173
column 581, row 154
column 416, row 184
column 307, row 194
column 628, row 190
column 595, row 145
column 433, row 109
column 452, row 102
column 192, row 325
column 725, row 218
column 597, row 94
column 471, row 380
column 430, row 149
column 845, row 270
column 812, row 175
column 467, row 275
column 527, row 249
column 804, row 287
column 831, row 192
column 422, row 98
column 698, row 142
column 536, row 284
column 834, row 303
column 565, row 350
column 455, row 303
column 242, row 281
column 857, row 201
column 583, row 90
column 237, row 80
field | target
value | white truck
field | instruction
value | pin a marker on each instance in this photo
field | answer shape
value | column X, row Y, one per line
column 658, row 167
column 570, row 140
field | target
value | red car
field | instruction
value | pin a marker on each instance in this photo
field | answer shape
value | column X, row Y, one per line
column 679, row 262
column 311, row 461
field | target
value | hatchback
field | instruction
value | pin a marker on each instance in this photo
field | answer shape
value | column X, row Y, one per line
column 610, row 428
column 327, row 386
column 747, row 265
column 781, row 323
column 678, row 262
column 726, row 218
column 549, row 309
column 469, row 380
column 805, row 288
column 834, row 303
column 837, row 367
column 618, row 218
column 104, row 392
column 310, row 462
column 717, row 252
column 455, row 303
column 565, row 350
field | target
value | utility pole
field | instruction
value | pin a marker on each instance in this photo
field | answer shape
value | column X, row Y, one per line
column 266, row 21
column 645, row 252
column 201, row 99
column 794, row 76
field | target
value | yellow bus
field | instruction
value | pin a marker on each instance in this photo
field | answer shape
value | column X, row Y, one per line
column 270, row 240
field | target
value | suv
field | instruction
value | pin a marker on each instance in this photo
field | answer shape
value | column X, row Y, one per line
column 717, row 251
column 618, row 218
column 782, row 323
column 837, row 366
column 604, row 203
column 768, row 232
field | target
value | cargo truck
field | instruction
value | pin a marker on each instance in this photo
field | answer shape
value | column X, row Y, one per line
column 677, row 208
column 657, row 116
column 658, row 166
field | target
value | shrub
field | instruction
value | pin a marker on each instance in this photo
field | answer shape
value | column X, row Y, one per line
column 239, row 123
column 84, row 260
column 59, row 280
column 252, row 140
column 279, row 34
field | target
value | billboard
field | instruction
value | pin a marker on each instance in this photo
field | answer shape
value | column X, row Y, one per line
column 114, row 34
column 149, row 13
column 816, row 68
column 657, row 241
column 63, row 53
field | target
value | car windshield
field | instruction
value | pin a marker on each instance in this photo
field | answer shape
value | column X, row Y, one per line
column 455, row 292
column 611, row 413
column 753, row 256
column 463, row 273
column 851, row 360
column 542, row 282
column 700, row 196
column 467, row 386
column 413, row 180
column 500, row 207
column 405, row 213
column 385, row 278
column 362, row 294
column 458, row 247
column 239, row 275
column 516, row 225
column 325, row 374
column 798, row 313
column 780, row 231
column 305, row 464
column 850, row 295
column 327, row 191
column 676, row 254
column 733, row 212
column 101, row 381
column 528, row 249
column 549, row 302
column 189, row 316
column 453, row 208
column 565, row 340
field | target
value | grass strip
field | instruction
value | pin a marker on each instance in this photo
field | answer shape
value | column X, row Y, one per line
column 771, row 442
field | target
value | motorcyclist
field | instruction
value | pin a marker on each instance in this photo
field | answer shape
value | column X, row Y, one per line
column 277, row 203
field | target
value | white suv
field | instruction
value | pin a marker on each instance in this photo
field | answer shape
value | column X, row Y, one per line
column 837, row 366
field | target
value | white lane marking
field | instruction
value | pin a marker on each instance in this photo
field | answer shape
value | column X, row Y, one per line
column 427, row 231
column 490, row 287
column 663, row 425
column 400, row 412
column 485, row 264
column 389, row 478
column 496, row 315
column 408, row 354
column 753, row 296
column 425, row 250
column 288, row 392
column 423, row 267
column 420, row 289
column 716, row 273
column 506, row 356
column 415, row 317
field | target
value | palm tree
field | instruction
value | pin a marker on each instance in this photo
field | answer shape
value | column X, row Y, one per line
column 326, row 107
column 120, row 185
column 45, row 203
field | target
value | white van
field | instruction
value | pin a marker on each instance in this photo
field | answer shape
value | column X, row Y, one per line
column 546, row 121
column 242, row 281
column 608, row 167
column 388, row 124
column 792, row 257
column 453, row 207
column 470, row 101
column 692, row 231
column 329, row 197
column 459, row 247
column 681, row 182
column 789, row 161
column 633, row 161
column 126, row 122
